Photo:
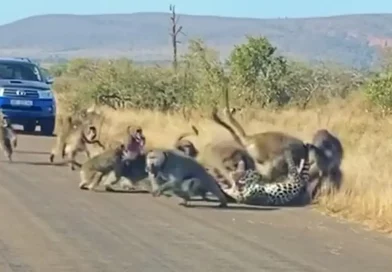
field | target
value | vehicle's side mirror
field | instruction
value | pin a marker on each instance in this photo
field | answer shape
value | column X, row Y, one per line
column 49, row 80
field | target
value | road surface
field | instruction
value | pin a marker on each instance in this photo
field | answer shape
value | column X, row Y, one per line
column 49, row 225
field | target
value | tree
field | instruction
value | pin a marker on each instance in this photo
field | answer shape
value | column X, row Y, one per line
column 257, row 67
column 175, row 30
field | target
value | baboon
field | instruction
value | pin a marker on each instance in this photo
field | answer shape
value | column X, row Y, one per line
column 172, row 169
column 5, row 139
column 291, row 191
column 265, row 148
column 65, row 126
column 69, row 124
column 187, row 146
column 77, row 141
column 225, row 159
column 94, row 169
column 135, row 154
column 326, row 155
column 11, row 132
column 136, row 141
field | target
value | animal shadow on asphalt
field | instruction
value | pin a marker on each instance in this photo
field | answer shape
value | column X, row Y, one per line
column 123, row 191
column 238, row 207
column 40, row 163
column 34, row 133
column 32, row 152
column 230, row 206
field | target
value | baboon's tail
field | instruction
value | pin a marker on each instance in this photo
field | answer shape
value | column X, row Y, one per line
column 186, row 134
column 239, row 139
column 229, row 114
column 92, row 141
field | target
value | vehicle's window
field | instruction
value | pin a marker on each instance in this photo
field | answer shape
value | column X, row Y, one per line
column 21, row 71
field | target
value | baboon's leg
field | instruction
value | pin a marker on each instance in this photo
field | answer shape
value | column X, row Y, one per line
column 8, row 150
column 71, row 158
column 117, row 177
column 213, row 187
column 14, row 141
column 87, row 153
column 85, row 178
column 169, row 185
column 53, row 152
column 63, row 153
column 8, row 155
column 56, row 149
column 310, row 189
column 336, row 177
column 153, row 182
column 95, row 181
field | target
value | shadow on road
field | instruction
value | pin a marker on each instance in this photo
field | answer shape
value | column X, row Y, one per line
column 32, row 152
column 231, row 207
column 34, row 133
column 120, row 191
column 40, row 163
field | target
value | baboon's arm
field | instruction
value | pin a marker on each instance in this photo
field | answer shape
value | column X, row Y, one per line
column 169, row 185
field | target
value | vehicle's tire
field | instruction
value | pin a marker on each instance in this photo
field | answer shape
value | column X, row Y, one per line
column 47, row 127
column 29, row 126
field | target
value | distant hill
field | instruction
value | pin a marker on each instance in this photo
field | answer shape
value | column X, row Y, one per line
column 349, row 39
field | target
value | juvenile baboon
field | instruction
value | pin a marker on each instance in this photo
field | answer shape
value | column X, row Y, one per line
column 65, row 126
column 77, row 141
column 169, row 169
column 187, row 146
column 225, row 159
column 326, row 155
column 11, row 132
column 265, row 148
column 5, row 139
column 94, row 169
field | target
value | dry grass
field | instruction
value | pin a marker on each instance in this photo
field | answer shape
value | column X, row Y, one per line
column 366, row 195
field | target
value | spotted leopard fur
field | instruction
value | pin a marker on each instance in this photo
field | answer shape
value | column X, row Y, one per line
column 253, row 190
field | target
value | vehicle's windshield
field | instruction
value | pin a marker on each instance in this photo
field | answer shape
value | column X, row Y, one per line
column 21, row 71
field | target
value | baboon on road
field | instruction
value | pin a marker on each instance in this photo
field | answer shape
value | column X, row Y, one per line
column 133, row 166
column 94, row 169
column 11, row 132
column 67, row 125
column 77, row 141
column 171, row 169
column 7, row 138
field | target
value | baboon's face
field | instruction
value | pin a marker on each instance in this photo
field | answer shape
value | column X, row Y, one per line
column 154, row 161
column 121, row 152
column 321, row 136
column 5, row 122
column 91, row 133
column 189, row 149
column 137, row 140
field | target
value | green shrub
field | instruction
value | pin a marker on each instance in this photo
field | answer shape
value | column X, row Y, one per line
column 254, row 73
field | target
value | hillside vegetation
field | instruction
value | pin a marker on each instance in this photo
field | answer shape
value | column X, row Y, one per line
column 350, row 39
column 274, row 92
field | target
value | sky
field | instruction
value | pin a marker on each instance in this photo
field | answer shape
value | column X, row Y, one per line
column 15, row 10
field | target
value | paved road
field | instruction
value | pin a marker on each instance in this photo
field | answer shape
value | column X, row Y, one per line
column 49, row 225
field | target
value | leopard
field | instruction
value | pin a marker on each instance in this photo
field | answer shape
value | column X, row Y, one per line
column 254, row 190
